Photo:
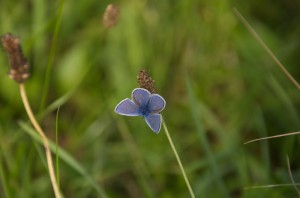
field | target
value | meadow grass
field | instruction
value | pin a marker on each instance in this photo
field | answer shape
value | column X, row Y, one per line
column 221, row 89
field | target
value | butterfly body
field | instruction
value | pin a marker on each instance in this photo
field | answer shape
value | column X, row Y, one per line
column 144, row 109
column 143, row 104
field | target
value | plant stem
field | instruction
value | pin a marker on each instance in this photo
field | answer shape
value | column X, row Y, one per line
column 56, row 149
column 291, row 175
column 43, row 137
column 52, row 55
column 262, row 43
column 178, row 160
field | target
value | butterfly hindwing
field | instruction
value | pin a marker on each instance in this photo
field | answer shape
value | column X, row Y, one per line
column 127, row 107
column 154, row 122
column 156, row 103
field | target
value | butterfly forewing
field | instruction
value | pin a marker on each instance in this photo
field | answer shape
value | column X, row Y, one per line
column 154, row 122
column 127, row 107
column 140, row 96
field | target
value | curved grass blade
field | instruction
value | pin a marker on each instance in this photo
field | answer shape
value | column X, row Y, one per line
column 67, row 158
column 291, row 175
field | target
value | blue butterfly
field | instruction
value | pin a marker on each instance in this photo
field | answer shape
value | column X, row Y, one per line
column 143, row 104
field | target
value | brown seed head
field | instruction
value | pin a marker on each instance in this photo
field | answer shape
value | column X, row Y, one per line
column 111, row 15
column 145, row 81
column 18, row 66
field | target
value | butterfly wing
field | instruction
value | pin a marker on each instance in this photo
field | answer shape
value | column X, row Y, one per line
column 156, row 103
column 140, row 96
column 154, row 122
column 127, row 107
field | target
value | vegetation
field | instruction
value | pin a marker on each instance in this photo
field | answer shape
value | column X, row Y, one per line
column 221, row 87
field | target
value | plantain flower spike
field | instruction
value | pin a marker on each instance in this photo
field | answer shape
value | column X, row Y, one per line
column 18, row 66
column 110, row 16
column 145, row 81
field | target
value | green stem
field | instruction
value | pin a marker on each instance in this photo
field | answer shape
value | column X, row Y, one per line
column 51, row 57
column 178, row 160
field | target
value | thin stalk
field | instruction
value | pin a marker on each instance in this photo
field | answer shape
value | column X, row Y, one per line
column 262, row 43
column 291, row 175
column 43, row 137
column 271, row 186
column 56, row 148
column 178, row 160
column 275, row 136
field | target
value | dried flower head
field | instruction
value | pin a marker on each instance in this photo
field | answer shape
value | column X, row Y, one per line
column 18, row 66
column 145, row 81
column 111, row 15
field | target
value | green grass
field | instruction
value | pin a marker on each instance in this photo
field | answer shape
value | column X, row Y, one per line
column 222, row 89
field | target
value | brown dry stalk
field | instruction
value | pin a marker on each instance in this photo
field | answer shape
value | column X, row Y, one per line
column 43, row 137
column 275, row 136
column 262, row 43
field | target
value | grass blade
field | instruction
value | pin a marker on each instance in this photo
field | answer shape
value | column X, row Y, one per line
column 204, row 140
column 4, row 180
column 291, row 175
column 66, row 157
column 51, row 57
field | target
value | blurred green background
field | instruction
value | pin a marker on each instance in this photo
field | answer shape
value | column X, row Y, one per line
column 222, row 89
